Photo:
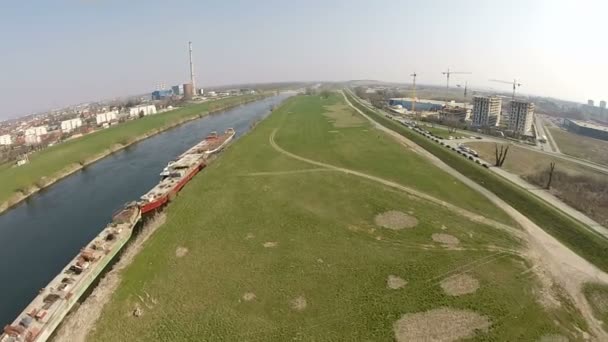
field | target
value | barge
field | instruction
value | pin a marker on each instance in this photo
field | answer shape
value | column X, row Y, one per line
column 181, row 170
column 42, row 316
column 48, row 309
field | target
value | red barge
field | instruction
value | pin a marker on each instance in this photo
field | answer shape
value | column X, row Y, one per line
column 181, row 170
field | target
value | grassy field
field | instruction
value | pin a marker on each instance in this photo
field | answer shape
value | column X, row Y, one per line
column 265, row 247
column 580, row 187
column 54, row 160
column 439, row 131
column 597, row 295
column 526, row 162
column 572, row 233
column 581, row 146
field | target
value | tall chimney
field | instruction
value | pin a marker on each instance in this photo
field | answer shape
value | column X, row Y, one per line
column 192, row 70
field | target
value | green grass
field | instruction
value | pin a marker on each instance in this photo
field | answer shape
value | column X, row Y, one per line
column 363, row 148
column 573, row 234
column 53, row 160
column 440, row 132
column 580, row 146
column 329, row 249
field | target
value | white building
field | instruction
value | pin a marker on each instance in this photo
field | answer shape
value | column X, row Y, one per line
column 521, row 117
column 70, row 125
column 106, row 117
column 33, row 139
column 36, row 131
column 145, row 109
column 486, row 111
column 6, row 139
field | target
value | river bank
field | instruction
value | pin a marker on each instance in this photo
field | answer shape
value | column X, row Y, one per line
column 47, row 181
column 56, row 223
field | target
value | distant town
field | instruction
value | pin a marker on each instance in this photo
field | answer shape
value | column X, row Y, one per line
column 19, row 137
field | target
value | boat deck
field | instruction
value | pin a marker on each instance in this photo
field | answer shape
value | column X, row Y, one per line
column 40, row 318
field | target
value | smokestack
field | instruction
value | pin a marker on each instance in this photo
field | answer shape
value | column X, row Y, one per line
column 192, row 69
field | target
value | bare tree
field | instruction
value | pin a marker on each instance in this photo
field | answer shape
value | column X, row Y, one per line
column 551, row 169
column 500, row 155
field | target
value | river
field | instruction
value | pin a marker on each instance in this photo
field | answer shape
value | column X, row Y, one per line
column 41, row 235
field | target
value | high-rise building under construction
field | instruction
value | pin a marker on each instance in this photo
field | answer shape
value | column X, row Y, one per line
column 486, row 111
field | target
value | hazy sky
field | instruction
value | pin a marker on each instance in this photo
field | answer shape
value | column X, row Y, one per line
column 59, row 52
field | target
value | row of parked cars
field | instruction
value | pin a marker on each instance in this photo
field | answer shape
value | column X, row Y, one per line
column 463, row 150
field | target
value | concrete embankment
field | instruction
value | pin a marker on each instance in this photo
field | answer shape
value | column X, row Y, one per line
column 48, row 181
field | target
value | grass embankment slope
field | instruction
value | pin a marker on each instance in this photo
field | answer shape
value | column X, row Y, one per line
column 56, row 160
column 573, row 234
column 263, row 247
column 580, row 146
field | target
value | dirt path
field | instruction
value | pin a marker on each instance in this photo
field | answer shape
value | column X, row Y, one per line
column 81, row 321
column 463, row 212
column 278, row 173
column 549, row 255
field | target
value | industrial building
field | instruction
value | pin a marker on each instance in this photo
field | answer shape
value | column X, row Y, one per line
column 162, row 94
column 460, row 114
column 421, row 105
column 6, row 139
column 486, row 111
column 521, row 117
column 106, row 117
column 69, row 125
column 188, row 91
column 586, row 128
column 178, row 90
column 143, row 109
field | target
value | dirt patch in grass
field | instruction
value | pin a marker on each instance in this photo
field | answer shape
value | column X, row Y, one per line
column 342, row 116
column 298, row 303
column 553, row 338
column 445, row 239
column 249, row 296
column 181, row 252
column 395, row 220
column 597, row 296
column 270, row 244
column 393, row 282
column 249, row 236
column 441, row 324
column 460, row 285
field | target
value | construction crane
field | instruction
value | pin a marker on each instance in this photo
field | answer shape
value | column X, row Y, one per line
column 466, row 84
column 449, row 72
column 514, row 83
column 414, row 93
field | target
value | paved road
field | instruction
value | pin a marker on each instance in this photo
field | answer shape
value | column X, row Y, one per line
column 549, row 145
column 548, row 254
